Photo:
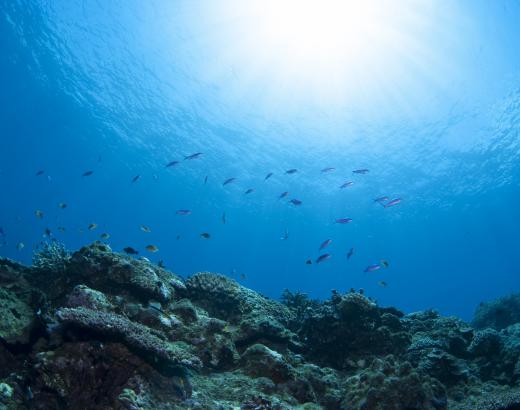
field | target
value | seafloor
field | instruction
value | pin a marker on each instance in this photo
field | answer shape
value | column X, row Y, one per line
column 101, row 330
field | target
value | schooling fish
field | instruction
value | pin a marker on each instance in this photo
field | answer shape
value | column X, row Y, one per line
column 61, row 229
column 291, row 171
column 384, row 263
column 283, row 194
column 205, row 180
column 20, row 246
column 223, row 218
column 130, row 251
column 104, row 236
column 323, row 257
column 172, row 164
column 325, row 244
column 40, row 172
column 269, row 175
column 343, row 220
column 295, row 202
column 249, row 191
column 91, row 227
column 152, row 248
column 38, row 213
column 382, row 283
column 62, row 205
column 2, row 232
column 183, row 212
column 193, row 156
column 308, row 262
column 145, row 228
column 87, row 173
column 393, row 202
column 135, row 179
column 347, row 184
column 327, row 170
column 48, row 232
column 228, row 181
column 361, row 171
column 350, row 253
column 381, row 199
column 372, row 268
column 285, row 235
column 205, row 235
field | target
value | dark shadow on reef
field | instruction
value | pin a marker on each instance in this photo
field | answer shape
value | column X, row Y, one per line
column 100, row 330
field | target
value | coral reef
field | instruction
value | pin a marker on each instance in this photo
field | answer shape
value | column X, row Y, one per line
column 100, row 330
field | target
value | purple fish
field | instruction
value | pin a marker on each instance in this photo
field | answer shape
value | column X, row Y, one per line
column 327, row 170
column 347, row 184
column 136, row 178
column 325, row 244
column 381, row 199
column 361, row 171
column 269, row 175
column 228, row 181
column 193, row 156
column 283, row 194
column 291, row 171
column 249, row 191
column 183, row 212
column 295, row 202
column 372, row 268
column 323, row 257
column 343, row 220
column 87, row 173
column 172, row 164
column 392, row 202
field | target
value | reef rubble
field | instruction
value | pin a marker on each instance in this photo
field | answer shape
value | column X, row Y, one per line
column 100, row 330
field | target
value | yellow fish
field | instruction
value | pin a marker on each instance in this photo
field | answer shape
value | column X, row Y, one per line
column 144, row 228
column 38, row 213
column 91, row 227
column 152, row 248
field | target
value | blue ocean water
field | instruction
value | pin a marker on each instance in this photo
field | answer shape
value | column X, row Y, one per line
column 123, row 88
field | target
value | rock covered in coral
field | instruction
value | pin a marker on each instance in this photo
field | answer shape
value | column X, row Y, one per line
column 498, row 314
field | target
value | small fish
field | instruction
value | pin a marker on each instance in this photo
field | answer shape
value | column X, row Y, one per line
column 20, row 246
column 130, row 251
column 62, row 205
column 381, row 199
column 243, row 276
column 347, row 184
column 327, row 170
column 269, row 175
column 48, row 232
column 343, row 221
column 372, row 268
column 40, row 172
column 161, row 264
column 361, row 171
column 193, row 156
column 295, row 202
column 205, row 180
column 323, row 257
column 172, row 164
column 382, row 283
column 135, row 179
column 283, row 194
column 91, row 227
column 61, row 229
column 393, row 202
column 2, row 232
column 325, row 244
column 87, row 173
column 285, row 235
column 249, row 191
column 228, row 181
column 104, row 236
column 350, row 253
column 155, row 177
column 291, row 171
column 38, row 213
column 146, row 229
column 183, row 212
column 205, row 235
column 308, row 262
column 152, row 248
column 178, row 237
column 384, row 263
column 223, row 218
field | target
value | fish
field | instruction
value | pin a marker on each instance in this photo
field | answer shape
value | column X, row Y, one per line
column 323, row 257
column 228, row 181
column 325, row 244
column 87, row 173
column 384, row 263
column 91, row 227
column 285, row 235
column 38, row 213
column 372, row 268
column 145, row 228
column 308, row 262
column 61, row 229
column 152, row 248
column 130, row 251
column 350, row 253
column 250, row 190
column 393, row 202
column 382, row 283
column 361, row 171
column 327, row 170
column 296, row 202
column 178, row 237
column 381, row 199
column 40, row 172
column 20, row 246
column 193, row 156
column 155, row 177
column 161, row 264
column 205, row 235
column 346, row 184
column 62, row 205
column 291, row 171
column 104, row 236
column 343, row 221
column 48, row 232
column 243, row 276
column 269, row 175
column 223, row 218
column 183, row 212
column 205, row 180
column 172, row 164
column 2, row 232
column 135, row 179
column 283, row 194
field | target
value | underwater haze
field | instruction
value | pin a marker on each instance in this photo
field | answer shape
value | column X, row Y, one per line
column 99, row 99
